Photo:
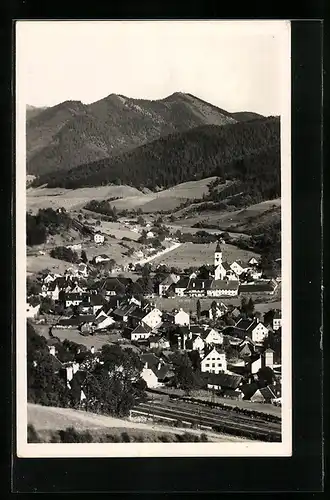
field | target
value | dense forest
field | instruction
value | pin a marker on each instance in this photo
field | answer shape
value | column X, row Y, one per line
column 242, row 151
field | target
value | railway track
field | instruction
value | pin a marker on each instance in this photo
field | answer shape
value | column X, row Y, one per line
column 217, row 420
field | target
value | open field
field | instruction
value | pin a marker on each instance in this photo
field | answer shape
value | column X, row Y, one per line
column 131, row 198
column 190, row 254
column 242, row 220
column 43, row 197
column 46, row 418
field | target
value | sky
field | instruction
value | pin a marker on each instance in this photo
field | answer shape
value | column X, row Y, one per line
column 238, row 66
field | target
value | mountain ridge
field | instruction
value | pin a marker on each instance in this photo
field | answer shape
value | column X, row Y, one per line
column 72, row 133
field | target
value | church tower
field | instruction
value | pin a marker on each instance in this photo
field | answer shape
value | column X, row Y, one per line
column 218, row 255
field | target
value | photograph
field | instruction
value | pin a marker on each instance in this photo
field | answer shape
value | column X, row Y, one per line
column 153, row 238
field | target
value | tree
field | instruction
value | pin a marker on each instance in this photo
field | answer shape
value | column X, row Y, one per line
column 83, row 256
column 250, row 307
column 266, row 376
column 146, row 270
column 203, row 272
column 33, row 287
column 214, row 310
column 98, row 223
column 198, row 309
column 141, row 221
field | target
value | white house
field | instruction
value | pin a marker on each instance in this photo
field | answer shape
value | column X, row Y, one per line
column 49, row 278
column 214, row 362
column 238, row 267
column 259, row 333
column 101, row 258
column 150, row 378
column 53, row 291
column 103, row 321
column 32, row 311
column 253, row 261
column 269, row 358
column 98, row 238
column 140, row 333
column 223, row 288
column 277, row 320
column 181, row 318
column 193, row 343
column 212, row 336
column 153, row 318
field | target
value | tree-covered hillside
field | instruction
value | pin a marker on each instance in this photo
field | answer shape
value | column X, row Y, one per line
column 243, row 151
column 73, row 133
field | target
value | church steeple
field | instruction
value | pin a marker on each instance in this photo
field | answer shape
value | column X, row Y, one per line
column 218, row 255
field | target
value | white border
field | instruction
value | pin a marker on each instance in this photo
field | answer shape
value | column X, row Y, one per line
column 284, row 448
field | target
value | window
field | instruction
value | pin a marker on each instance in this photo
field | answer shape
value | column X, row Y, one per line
column 213, row 365
column 207, row 364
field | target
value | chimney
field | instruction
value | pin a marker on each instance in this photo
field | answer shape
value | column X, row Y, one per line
column 92, row 349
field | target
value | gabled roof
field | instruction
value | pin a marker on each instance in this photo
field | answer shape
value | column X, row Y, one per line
column 199, row 284
column 267, row 392
column 278, row 314
column 260, row 286
column 224, row 285
column 113, row 284
column 141, row 329
column 183, row 282
column 226, row 266
column 249, row 389
column 225, row 380
column 97, row 300
column 169, row 280
column 150, row 358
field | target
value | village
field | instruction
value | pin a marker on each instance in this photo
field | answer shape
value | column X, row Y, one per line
column 233, row 349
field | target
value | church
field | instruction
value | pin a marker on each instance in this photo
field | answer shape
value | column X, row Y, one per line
column 222, row 269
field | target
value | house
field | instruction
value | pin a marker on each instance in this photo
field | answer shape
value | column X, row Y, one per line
column 166, row 283
column 218, row 311
column 158, row 342
column 103, row 321
column 101, row 258
column 179, row 317
column 181, row 286
column 74, row 299
column 223, row 381
column 141, row 332
column 113, row 286
column 124, row 312
column 214, row 362
column 150, row 378
column 193, row 343
column 98, row 237
column 264, row 395
column 77, row 246
column 246, row 348
column 32, row 310
column 253, row 261
column 75, row 321
column 153, row 318
column 150, row 234
column 77, row 289
column 252, row 328
column 198, row 287
column 277, row 320
column 211, row 336
column 223, row 288
column 83, row 269
column 258, row 287
column 49, row 278
column 238, row 267
column 53, row 290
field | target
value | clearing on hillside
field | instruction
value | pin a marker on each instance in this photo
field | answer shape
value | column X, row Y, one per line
column 195, row 255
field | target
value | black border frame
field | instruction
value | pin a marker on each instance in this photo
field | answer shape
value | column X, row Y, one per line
column 304, row 470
